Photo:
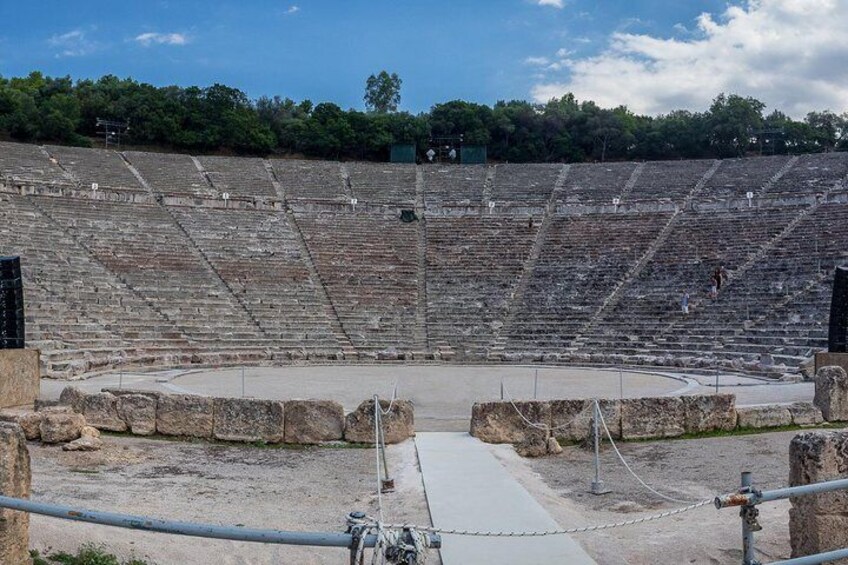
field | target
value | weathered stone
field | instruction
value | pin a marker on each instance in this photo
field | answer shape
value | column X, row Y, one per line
column 30, row 423
column 818, row 522
column 20, row 376
column 532, row 447
column 832, row 393
column 15, row 479
column 88, row 431
column 572, row 419
column 58, row 427
column 763, row 416
column 554, row 448
column 314, row 421
column 74, row 397
column 185, row 415
column 643, row 418
column 502, row 422
column 805, row 414
column 398, row 423
column 42, row 404
column 84, row 443
column 246, row 419
column 101, row 411
column 155, row 395
column 707, row 413
column 138, row 412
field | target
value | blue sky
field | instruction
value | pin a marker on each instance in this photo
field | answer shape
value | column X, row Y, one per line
column 643, row 53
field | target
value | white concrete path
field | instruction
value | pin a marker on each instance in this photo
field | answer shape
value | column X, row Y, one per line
column 468, row 488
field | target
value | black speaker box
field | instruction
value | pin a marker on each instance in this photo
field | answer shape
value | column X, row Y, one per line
column 838, row 336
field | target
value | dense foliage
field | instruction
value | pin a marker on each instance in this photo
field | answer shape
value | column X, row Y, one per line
column 223, row 119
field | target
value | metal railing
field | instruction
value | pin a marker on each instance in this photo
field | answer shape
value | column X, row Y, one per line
column 749, row 497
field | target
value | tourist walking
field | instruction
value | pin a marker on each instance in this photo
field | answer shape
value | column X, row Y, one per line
column 684, row 303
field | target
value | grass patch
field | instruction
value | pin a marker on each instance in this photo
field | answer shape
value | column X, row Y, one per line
column 88, row 554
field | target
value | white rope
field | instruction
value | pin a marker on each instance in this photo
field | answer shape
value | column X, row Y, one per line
column 539, row 425
column 542, row 533
column 626, row 466
column 391, row 402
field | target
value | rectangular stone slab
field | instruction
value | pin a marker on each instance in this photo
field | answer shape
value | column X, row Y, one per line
column 19, row 376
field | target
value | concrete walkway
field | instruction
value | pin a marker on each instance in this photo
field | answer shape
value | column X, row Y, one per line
column 468, row 488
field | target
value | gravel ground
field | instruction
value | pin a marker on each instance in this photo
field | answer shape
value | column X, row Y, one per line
column 686, row 469
column 295, row 489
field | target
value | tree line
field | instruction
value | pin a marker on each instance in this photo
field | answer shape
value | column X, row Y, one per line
column 222, row 119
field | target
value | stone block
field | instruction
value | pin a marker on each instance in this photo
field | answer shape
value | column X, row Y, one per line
column 314, row 421
column 138, row 412
column 572, row 419
column 155, row 395
column 185, row 415
column 84, row 443
column 763, row 416
column 29, row 421
column 20, row 374
column 805, row 414
column 501, row 422
column 247, row 419
column 398, row 424
column 74, row 397
column 815, row 533
column 832, row 393
column 707, row 413
column 15, row 477
column 101, row 411
column 815, row 457
column 643, row 418
column 59, row 427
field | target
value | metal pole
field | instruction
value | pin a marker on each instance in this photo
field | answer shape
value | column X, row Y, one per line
column 748, row 556
column 716, row 375
column 121, row 380
column 536, row 384
column 502, row 397
column 597, row 484
column 620, row 384
column 825, row 557
column 242, row 381
column 320, row 539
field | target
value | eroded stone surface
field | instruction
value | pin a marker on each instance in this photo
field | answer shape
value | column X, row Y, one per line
column 74, row 397
column 764, row 416
column 805, row 414
column 101, row 411
column 138, row 412
column 832, row 393
column 247, row 419
column 572, row 419
column 58, row 427
column 14, row 481
column 185, row 415
column 314, row 421
column 502, row 422
column 707, row 413
column 84, row 443
column 643, row 418
column 398, row 423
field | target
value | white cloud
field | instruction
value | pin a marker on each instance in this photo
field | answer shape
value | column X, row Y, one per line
column 151, row 38
column 788, row 53
column 536, row 61
column 74, row 43
column 555, row 3
column 292, row 10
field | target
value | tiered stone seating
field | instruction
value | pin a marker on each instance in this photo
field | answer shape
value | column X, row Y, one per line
column 450, row 184
column 310, row 180
column 596, row 183
column 239, row 176
column 813, row 174
column 143, row 245
column 736, row 177
column 524, row 183
column 369, row 265
column 382, row 183
column 698, row 243
column 257, row 254
column 106, row 168
column 170, row 173
column 668, row 180
column 23, row 162
column 473, row 266
column 582, row 260
column 79, row 314
column 804, row 259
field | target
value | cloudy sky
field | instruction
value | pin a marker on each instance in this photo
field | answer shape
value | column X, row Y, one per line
column 651, row 55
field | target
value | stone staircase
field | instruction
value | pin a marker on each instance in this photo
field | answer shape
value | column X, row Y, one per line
column 422, row 339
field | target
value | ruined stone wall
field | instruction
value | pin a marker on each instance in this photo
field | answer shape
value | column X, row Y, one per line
column 818, row 522
column 238, row 419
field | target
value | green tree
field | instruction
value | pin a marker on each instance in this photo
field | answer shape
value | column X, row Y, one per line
column 382, row 92
column 732, row 122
